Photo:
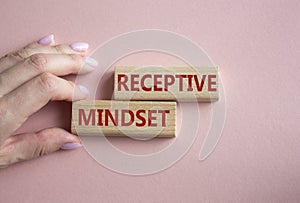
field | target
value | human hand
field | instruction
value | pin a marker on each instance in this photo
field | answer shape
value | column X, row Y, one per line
column 29, row 79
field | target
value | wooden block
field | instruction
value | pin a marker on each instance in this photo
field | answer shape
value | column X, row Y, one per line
column 119, row 118
column 199, row 84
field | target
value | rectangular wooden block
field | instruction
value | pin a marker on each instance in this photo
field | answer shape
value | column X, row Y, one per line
column 198, row 84
column 119, row 118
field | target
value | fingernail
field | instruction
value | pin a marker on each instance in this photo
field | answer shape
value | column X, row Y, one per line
column 79, row 46
column 46, row 40
column 84, row 89
column 90, row 61
column 68, row 146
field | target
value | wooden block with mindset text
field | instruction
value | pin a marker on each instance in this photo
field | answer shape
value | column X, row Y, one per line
column 119, row 118
column 191, row 84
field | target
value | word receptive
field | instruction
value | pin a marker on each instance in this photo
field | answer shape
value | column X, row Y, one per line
column 198, row 84
column 117, row 118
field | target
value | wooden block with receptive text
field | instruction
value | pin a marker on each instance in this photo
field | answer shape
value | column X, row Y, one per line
column 119, row 118
column 190, row 84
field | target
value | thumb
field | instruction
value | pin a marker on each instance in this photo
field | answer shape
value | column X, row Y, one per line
column 31, row 145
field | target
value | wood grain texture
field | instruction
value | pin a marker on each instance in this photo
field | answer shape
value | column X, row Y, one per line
column 119, row 118
column 190, row 84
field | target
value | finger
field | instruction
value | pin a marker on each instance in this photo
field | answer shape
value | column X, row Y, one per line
column 31, row 145
column 57, row 64
column 18, row 105
column 13, row 58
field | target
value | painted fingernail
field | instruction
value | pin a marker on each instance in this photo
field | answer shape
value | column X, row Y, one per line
column 84, row 89
column 69, row 146
column 79, row 46
column 46, row 40
column 90, row 61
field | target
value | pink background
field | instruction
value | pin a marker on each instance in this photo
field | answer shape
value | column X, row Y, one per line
column 257, row 46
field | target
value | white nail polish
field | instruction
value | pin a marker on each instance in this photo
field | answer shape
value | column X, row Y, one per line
column 84, row 89
column 79, row 46
column 69, row 146
column 90, row 61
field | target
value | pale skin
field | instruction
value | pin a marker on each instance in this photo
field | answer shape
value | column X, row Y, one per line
column 29, row 79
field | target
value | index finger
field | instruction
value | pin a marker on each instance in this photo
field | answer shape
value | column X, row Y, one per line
column 19, row 104
column 13, row 58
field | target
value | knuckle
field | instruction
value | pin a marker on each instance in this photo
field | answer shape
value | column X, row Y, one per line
column 32, row 45
column 61, row 48
column 47, row 82
column 40, row 151
column 22, row 53
column 76, row 58
column 77, row 61
column 38, row 61
column 42, row 138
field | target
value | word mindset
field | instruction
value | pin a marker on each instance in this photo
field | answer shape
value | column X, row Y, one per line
column 121, row 117
column 166, row 83
column 139, row 118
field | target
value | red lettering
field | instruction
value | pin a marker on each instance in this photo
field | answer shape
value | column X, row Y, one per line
column 146, row 89
column 109, row 115
column 151, row 118
column 157, row 82
column 134, row 82
column 200, row 87
column 141, row 118
column 190, row 87
column 210, row 83
column 122, row 83
column 163, row 116
column 169, row 82
column 131, row 119
column 100, row 123
column 82, row 116
column 180, row 81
